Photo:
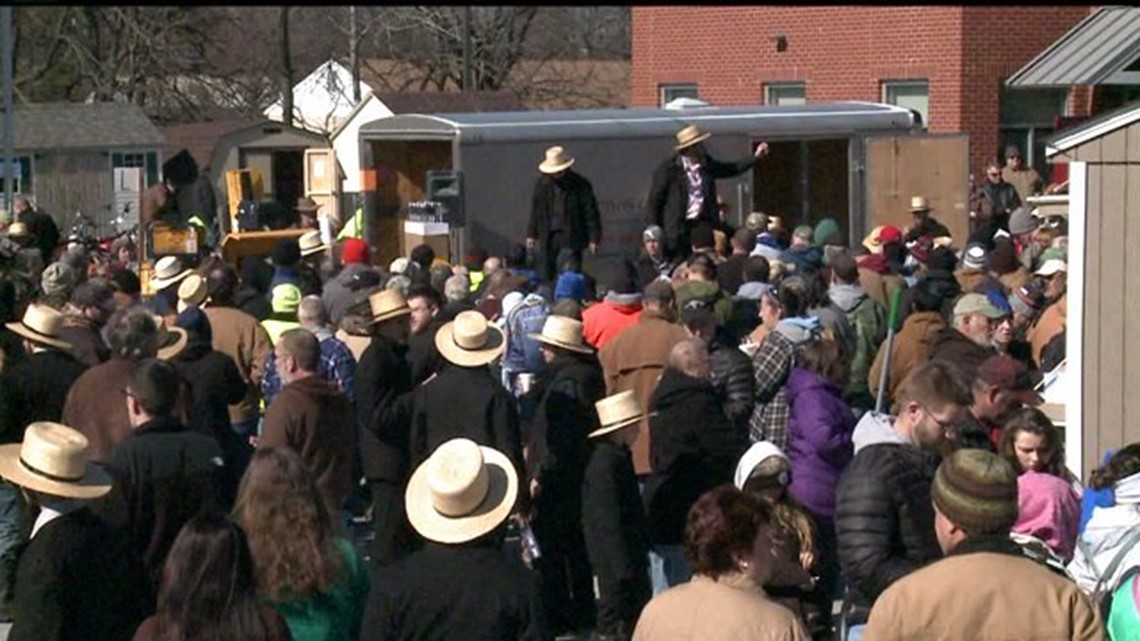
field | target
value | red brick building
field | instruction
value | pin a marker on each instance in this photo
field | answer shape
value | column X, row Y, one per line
column 948, row 62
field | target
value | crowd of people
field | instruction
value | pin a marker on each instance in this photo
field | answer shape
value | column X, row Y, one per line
column 719, row 437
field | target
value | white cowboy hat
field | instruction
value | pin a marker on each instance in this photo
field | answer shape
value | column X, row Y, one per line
column 168, row 271
column 563, row 332
column 918, row 203
column 387, row 303
column 40, row 324
column 469, row 341
column 461, row 492
column 171, row 340
column 53, row 460
column 192, row 292
column 310, row 243
column 689, row 136
column 556, row 160
column 617, row 411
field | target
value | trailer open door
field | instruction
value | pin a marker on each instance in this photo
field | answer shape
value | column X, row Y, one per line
column 936, row 166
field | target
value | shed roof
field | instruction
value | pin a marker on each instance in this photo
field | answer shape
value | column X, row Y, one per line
column 200, row 138
column 817, row 119
column 82, row 125
column 1091, row 53
column 1093, row 128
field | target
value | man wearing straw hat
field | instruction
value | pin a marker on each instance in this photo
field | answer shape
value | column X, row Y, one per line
column 73, row 579
column 557, row 455
column 382, row 374
column 683, row 195
column 924, row 224
column 460, row 585
column 613, row 519
column 564, row 214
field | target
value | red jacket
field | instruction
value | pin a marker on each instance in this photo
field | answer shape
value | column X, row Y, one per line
column 603, row 321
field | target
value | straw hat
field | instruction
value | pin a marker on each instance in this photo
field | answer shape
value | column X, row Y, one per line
column 918, row 203
column 616, row 412
column 387, row 303
column 689, row 136
column 556, row 160
column 192, row 292
column 563, row 332
column 469, row 341
column 310, row 243
column 461, row 492
column 171, row 340
column 40, row 324
column 53, row 460
column 17, row 230
column 168, row 271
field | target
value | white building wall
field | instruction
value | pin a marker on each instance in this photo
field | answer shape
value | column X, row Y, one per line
column 346, row 142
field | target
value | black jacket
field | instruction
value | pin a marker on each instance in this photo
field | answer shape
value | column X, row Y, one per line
column 423, row 357
column 558, row 443
column 581, row 221
column 35, row 390
column 471, row 592
column 613, row 519
column 733, row 379
column 730, row 273
column 669, row 196
column 648, row 270
column 693, row 447
column 164, row 475
column 382, row 375
column 947, row 286
column 884, row 520
column 75, row 580
column 42, row 227
column 214, row 383
column 928, row 227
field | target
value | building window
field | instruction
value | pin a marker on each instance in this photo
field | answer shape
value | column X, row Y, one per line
column 1027, row 117
column 147, row 161
column 785, row 93
column 909, row 94
column 669, row 93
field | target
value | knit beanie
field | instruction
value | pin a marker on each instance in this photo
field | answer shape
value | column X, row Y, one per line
column 827, row 233
column 570, row 285
column 977, row 491
column 354, row 250
column 286, row 298
column 57, row 277
column 974, row 257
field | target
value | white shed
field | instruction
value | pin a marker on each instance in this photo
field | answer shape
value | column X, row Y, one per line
column 323, row 100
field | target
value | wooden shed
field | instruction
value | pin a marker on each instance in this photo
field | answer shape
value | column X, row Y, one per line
column 1103, row 317
column 69, row 157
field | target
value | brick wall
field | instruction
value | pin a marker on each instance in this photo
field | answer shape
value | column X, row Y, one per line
column 844, row 53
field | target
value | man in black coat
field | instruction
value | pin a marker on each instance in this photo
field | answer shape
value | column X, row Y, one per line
column 884, row 521
column 41, row 226
column 693, row 448
column 564, row 214
column 164, row 473
column 571, row 383
column 424, row 360
column 381, row 376
column 992, row 204
column 732, row 374
column 683, row 194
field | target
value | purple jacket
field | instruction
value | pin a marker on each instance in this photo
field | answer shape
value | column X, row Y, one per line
column 819, row 440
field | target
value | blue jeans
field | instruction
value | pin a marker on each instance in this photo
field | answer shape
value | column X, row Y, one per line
column 10, row 538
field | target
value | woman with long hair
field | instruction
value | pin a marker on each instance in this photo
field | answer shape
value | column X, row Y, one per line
column 315, row 579
column 1031, row 442
column 207, row 591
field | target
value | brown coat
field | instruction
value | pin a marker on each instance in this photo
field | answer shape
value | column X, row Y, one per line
column 972, row 279
column 97, row 406
column 1051, row 323
column 315, row 419
column 983, row 596
column 634, row 360
column 911, row 348
column 1015, row 279
column 880, row 287
column 728, row 608
column 239, row 336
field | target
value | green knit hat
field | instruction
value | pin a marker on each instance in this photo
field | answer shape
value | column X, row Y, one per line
column 827, row 233
column 977, row 491
column 285, row 298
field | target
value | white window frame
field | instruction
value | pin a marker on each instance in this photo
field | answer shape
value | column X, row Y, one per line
column 669, row 91
column 888, row 85
column 772, row 91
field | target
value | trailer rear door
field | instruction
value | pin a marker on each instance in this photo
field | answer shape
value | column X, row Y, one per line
column 932, row 165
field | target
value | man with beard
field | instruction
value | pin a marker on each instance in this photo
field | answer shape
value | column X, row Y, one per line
column 884, row 521
column 425, row 304
column 1001, row 387
column 969, row 340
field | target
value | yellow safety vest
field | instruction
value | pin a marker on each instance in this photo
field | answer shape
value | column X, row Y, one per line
column 275, row 328
column 354, row 228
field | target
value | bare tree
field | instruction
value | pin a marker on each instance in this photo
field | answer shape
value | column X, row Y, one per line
column 286, row 67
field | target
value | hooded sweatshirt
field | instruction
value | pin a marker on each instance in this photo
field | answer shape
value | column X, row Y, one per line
column 868, row 319
column 337, row 294
column 1110, row 532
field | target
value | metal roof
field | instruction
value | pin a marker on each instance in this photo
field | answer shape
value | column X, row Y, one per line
column 1095, row 127
column 81, row 125
column 820, row 118
column 1099, row 46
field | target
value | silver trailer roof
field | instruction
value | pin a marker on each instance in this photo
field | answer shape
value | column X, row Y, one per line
column 812, row 119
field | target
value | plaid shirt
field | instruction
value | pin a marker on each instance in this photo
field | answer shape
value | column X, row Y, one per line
column 337, row 364
column 771, row 364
